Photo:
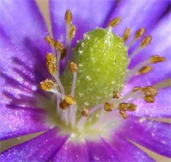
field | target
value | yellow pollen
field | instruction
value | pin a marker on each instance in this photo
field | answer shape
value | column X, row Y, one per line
column 51, row 63
column 123, row 114
column 132, row 107
column 47, row 85
column 85, row 112
column 149, row 99
column 59, row 46
column 72, row 31
column 145, row 69
column 50, row 40
column 114, row 22
column 150, row 91
column 73, row 67
column 68, row 17
column 146, row 41
column 70, row 100
column 135, row 89
column 116, row 94
column 126, row 34
column 156, row 59
column 108, row 106
column 123, row 106
column 139, row 33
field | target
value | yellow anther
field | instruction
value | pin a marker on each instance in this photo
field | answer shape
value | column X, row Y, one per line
column 123, row 114
column 108, row 106
column 149, row 99
column 146, row 41
column 73, row 67
column 135, row 89
column 114, row 22
column 156, row 59
column 63, row 105
column 47, row 85
column 139, row 33
column 126, row 34
column 123, row 106
column 116, row 94
column 68, row 17
column 59, row 46
column 50, row 40
column 63, row 53
column 145, row 69
column 51, row 63
column 150, row 91
column 70, row 100
column 72, row 31
column 85, row 112
column 132, row 107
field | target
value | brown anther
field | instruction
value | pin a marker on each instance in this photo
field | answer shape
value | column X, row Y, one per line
column 70, row 100
column 47, row 85
column 51, row 63
column 114, row 22
column 72, row 31
column 50, row 40
column 123, row 106
column 63, row 53
column 156, row 59
column 150, row 91
column 139, row 33
column 59, row 46
column 135, row 89
column 123, row 114
column 126, row 34
column 85, row 112
column 145, row 69
column 68, row 17
column 64, row 105
column 73, row 67
column 108, row 106
column 146, row 41
column 149, row 99
column 116, row 94
column 132, row 107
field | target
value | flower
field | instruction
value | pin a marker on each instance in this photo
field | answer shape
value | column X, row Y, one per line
column 26, row 109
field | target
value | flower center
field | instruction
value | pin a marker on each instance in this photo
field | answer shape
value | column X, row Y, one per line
column 89, row 92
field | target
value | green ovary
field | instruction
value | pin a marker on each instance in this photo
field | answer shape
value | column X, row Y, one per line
column 102, row 59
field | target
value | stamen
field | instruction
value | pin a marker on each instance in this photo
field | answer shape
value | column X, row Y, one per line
column 59, row 46
column 64, row 105
column 116, row 95
column 139, row 33
column 68, row 17
column 70, row 100
column 73, row 67
column 150, row 91
column 156, row 59
column 135, row 89
column 149, row 99
column 132, row 107
column 114, row 22
column 51, row 63
column 123, row 114
column 72, row 31
column 63, row 53
column 123, row 106
column 108, row 106
column 50, row 40
column 47, row 85
column 85, row 112
column 145, row 69
column 126, row 34
column 146, row 41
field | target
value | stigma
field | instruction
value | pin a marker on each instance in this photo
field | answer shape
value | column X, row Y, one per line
column 91, row 87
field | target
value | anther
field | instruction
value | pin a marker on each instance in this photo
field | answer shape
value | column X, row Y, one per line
column 51, row 63
column 145, row 69
column 135, row 89
column 73, row 67
column 114, row 22
column 47, row 85
column 72, row 32
column 68, row 17
column 50, row 40
column 63, row 53
column 132, row 107
column 85, row 112
column 149, row 99
column 123, row 114
column 139, row 33
column 156, row 59
column 126, row 34
column 70, row 100
column 146, row 41
column 108, row 106
column 64, row 105
column 59, row 46
column 116, row 95
column 150, row 91
column 123, row 106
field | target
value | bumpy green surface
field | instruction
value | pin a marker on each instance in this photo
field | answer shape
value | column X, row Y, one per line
column 102, row 59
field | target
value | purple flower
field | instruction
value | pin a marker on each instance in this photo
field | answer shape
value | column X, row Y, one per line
column 136, row 111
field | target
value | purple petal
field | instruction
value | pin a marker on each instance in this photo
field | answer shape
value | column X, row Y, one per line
column 72, row 152
column 87, row 15
column 101, row 151
column 17, row 121
column 126, row 151
column 150, row 134
column 38, row 149
column 137, row 14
